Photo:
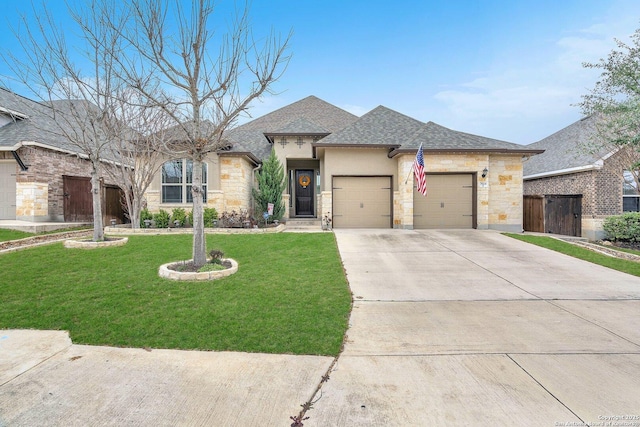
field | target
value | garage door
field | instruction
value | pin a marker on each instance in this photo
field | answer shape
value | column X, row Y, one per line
column 8, row 190
column 362, row 202
column 448, row 204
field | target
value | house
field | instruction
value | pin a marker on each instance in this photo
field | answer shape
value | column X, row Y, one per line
column 358, row 171
column 42, row 176
column 566, row 170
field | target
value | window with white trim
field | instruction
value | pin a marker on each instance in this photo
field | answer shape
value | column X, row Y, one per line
column 177, row 180
column 630, row 194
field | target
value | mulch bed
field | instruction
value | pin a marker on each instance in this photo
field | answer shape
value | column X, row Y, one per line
column 189, row 267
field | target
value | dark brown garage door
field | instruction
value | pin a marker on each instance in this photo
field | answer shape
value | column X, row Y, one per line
column 448, row 204
column 362, row 202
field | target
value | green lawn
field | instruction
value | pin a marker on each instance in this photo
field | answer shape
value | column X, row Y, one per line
column 6, row 235
column 630, row 267
column 290, row 294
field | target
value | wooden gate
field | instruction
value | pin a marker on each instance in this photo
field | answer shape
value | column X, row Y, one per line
column 563, row 214
column 78, row 202
column 78, row 205
column 555, row 214
column 533, row 218
column 112, row 204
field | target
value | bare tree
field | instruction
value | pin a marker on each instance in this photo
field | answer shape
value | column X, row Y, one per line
column 79, row 104
column 142, row 131
column 205, row 82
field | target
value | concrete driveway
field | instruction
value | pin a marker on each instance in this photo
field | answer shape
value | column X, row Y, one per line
column 470, row 327
column 449, row 328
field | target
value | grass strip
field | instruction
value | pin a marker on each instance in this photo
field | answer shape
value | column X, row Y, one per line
column 622, row 265
column 290, row 294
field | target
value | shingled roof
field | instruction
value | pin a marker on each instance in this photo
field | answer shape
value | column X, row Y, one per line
column 309, row 116
column 380, row 126
column 35, row 123
column 388, row 128
column 563, row 153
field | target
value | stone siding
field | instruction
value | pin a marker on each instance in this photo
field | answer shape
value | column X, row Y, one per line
column 236, row 181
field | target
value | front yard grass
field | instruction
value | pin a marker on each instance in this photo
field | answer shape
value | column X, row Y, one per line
column 290, row 294
column 630, row 267
column 6, row 235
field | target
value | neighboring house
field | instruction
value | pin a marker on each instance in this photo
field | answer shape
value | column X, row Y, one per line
column 566, row 170
column 42, row 176
column 357, row 171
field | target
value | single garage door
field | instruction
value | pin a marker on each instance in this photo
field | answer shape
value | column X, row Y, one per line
column 448, row 204
column 8, row 190
column 362, row 202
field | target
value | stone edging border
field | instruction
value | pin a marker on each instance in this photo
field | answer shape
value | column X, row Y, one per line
column 89, row 244
column 156, row 231
column 166, row 273
column 40, row 240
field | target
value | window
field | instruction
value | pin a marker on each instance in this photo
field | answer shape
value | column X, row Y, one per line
column 630, row 194
column 177, row 177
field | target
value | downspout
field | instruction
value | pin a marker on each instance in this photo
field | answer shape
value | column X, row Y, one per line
column 253, row 174
column 23, row 167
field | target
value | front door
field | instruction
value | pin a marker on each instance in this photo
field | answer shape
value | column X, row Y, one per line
column 304, row 193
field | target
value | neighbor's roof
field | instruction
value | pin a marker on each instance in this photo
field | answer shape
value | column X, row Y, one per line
column 34, row 123
column 563, row 153
column 309, row 116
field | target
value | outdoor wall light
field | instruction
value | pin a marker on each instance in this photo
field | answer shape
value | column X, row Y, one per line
column 485, row 171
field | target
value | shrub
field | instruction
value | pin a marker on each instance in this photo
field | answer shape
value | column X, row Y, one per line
column 178, row 214
column 145, row 214
column 162, row 219
column 190, row 217
column 216, row 256
column 623, row 227
column 209, row 215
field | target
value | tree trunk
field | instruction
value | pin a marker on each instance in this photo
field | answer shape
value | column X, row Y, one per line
column 133, row 204
column 96, row 195
column 199, row 243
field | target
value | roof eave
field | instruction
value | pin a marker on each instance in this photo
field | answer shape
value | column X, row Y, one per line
column 465, row 150
column 567, row 171
column 249, row 155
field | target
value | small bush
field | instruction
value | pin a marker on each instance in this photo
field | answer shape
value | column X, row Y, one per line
column 178, row 214
column 209, row 215
column 162, row 219
column 625, row 227
column 216, row 256
column 190, row 217
column 145, row 214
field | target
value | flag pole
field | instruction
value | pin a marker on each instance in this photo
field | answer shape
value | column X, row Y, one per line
column 410, row 172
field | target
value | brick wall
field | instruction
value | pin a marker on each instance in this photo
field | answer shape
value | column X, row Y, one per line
column 46, row 168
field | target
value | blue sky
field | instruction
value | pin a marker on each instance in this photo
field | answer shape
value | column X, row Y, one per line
column 503, row 69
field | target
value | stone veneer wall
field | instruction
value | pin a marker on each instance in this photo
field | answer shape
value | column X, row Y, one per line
column 505, row 193
column 498, row 196
column 39, row 190
column 236, row 181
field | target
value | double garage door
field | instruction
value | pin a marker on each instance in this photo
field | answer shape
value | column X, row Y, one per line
column 366, row 202
column 8, row 190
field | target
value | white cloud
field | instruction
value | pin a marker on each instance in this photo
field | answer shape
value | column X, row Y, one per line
column 506, row 102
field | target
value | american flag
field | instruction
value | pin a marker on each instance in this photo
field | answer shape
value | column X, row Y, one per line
column 418, row 172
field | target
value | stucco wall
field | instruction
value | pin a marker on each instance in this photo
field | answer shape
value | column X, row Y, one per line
column 358, row 162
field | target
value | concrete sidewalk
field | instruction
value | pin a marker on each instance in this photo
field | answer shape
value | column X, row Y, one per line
column 47, row 381
column 464, row 327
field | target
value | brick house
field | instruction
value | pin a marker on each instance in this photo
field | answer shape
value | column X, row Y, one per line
column 565, row 168
column 42, row 176
column 357, row 171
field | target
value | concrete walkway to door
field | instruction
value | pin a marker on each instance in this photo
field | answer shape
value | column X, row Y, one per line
column 468, row 327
